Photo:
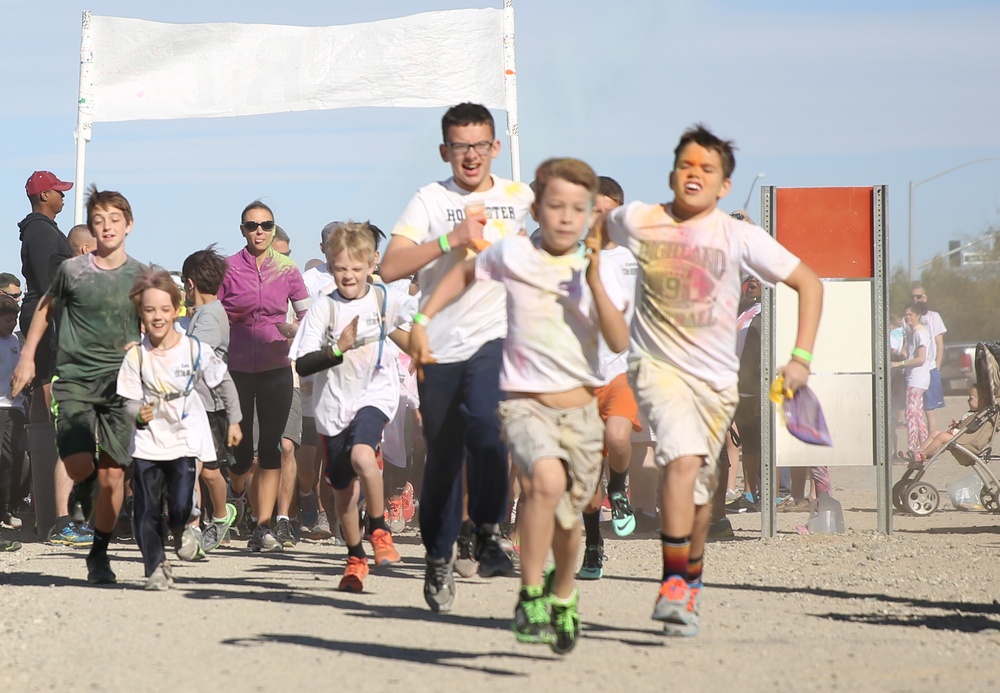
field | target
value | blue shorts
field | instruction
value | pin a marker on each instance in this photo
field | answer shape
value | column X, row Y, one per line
column 934, row 396
column 365, row 429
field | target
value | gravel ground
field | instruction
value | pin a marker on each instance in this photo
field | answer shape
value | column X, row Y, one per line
column 855, row 612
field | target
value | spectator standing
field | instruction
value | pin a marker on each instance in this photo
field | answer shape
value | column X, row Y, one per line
column 43, row 249
column 934, row 396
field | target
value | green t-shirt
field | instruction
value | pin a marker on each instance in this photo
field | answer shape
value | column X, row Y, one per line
column 98, row 319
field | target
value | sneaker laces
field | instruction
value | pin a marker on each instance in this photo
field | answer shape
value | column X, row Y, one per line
column 620, row 505
column 536, row 610
column 564, row 616
column 674, row 589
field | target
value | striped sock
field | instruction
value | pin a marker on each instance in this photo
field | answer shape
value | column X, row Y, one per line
column 694, row 569
column 676, row 551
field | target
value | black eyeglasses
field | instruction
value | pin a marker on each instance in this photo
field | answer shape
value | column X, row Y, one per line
column 461, row 148
column 16, row 296
column 252, row 226
column 916, row 297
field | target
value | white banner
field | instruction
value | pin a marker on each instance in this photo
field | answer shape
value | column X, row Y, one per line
column 141, row 70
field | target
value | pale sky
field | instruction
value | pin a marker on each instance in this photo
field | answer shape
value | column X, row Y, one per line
column 814, row 94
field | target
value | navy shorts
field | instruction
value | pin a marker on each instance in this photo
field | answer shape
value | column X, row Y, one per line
column 365, row 429
column 934, row 395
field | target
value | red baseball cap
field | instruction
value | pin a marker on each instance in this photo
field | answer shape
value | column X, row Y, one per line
column 43, row 181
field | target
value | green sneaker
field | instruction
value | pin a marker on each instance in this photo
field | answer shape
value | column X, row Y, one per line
column 565, row 623
column 531, row 622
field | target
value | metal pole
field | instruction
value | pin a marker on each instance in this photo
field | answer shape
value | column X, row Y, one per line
column 910, row 244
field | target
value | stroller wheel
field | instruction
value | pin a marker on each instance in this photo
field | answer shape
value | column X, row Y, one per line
column 989, row 498
column 899, row 495
column 921, row 499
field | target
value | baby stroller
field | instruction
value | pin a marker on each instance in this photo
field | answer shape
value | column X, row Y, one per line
column 911, row 494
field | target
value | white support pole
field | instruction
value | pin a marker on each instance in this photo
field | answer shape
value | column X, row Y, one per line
column 510, row 89
column 84, row 113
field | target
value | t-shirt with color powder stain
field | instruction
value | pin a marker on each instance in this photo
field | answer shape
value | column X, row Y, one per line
column 477, row 316
column 98, row 318
column 689, row 283
column 551, row 343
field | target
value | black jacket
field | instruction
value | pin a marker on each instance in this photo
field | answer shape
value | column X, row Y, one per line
column 43, row 249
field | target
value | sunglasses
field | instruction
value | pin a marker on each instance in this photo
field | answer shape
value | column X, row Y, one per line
column 740, row 216
column 252, row 226
column 16, row 296
column 917, row 296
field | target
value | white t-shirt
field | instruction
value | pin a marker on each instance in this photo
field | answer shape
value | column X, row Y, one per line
column 180, row 426
column 688, row 286
column 10, row 353
column 551, row 345
column 319, row 282
column 618, row 270
column 342, row 391
column 935, row 326
column 919, row 376
column 477, row 316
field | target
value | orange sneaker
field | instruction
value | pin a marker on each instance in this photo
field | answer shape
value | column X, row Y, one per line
column 354, row 575
column 406, row 497
column 385, row 550
column 394, row 515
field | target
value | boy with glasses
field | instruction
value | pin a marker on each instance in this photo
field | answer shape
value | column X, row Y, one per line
column 459, row 393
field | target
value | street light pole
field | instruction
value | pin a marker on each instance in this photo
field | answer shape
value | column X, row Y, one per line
column 750, row 192
column 916, row 184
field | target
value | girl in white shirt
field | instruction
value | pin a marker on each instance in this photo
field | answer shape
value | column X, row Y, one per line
column 157, row 377
column 918, row 375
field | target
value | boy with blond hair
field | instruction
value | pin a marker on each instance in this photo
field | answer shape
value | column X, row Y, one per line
column 98, row 320
column 356, row 391
column 683, row 366
column 556, row 307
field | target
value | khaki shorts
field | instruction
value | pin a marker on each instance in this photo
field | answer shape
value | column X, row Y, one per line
column 687, row 417
column 533, row 432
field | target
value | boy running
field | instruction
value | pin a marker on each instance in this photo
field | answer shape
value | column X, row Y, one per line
column 683, row 366
column 202, row 274
column 158, row 378
column 460, row 391
column 549, row 418
column 356, row 392
column 98, row 320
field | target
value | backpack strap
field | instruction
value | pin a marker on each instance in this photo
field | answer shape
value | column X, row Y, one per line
column 382, row 329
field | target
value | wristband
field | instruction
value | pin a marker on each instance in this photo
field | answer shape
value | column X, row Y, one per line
column 337, row 353
column 802, row 354
column 802, row 362
column 138, row 420
column 421, row 319
column 443, row 242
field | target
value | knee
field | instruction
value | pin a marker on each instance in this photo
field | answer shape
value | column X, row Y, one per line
column 110, row 477
column 363, row 459
column 547, row 482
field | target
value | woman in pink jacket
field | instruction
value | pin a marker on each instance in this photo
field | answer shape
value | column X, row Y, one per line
column 258, row 287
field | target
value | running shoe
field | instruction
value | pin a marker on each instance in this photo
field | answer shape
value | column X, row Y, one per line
column 409, row 506
column 677, row 607
column 215, row 533
column 465, row 564
column 99, row 571
column 622, row 515
column 123, row 525
column 11, row 520
column 593, row 564
column 283, row 530
column 321, row 530
column 71, row 534
column 161, row 578
column 188, row 545
column 721, row 529
column 565, row 622
column 354, row 575
column 7, row 545
column 394, row 515
column 493, row 560
column 263, row 540
column 439, row 583
column 532, row 621
column 308, row 510
column 385, row 549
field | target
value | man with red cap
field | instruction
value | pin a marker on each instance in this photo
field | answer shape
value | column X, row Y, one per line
column 43, row 249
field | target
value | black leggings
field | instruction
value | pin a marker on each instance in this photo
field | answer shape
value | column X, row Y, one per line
column 272, row 393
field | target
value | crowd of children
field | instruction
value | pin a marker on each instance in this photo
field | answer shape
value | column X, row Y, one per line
column 533, row 358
